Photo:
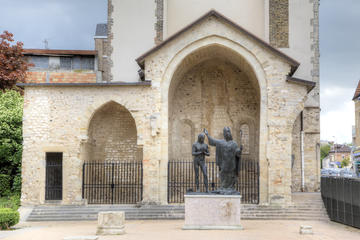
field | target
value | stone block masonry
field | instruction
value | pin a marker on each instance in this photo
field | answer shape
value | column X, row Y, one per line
column 216, row 212
column 279, row 23
column 111, row 223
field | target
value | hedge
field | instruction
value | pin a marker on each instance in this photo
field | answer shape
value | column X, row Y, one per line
column 5, row 185
column 8, row 218
column 16, row 187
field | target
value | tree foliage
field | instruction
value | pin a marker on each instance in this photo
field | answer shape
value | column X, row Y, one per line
column 11, row 109
column 345, row 162
column 13, row 65
column 324, row 151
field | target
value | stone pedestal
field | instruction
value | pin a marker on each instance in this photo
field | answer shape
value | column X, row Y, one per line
column 205, row 212
column 111, row 223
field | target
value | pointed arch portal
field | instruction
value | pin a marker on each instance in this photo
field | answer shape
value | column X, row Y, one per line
column 112, row 173
column 213, row 87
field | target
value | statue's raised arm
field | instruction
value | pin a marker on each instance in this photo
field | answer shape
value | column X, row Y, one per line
column 212, row 141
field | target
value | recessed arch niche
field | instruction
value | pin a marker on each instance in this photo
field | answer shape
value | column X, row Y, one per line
column 213, row 87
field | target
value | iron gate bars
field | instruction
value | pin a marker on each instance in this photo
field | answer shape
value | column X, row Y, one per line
column 181, row 178
column 112, row 183
column 53, row 182
column 341, row 198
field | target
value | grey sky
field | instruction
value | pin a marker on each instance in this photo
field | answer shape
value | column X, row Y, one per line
column 340, row 66
column 67, row 24
column 70, row 24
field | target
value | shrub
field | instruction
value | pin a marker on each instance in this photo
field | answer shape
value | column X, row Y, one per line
column 11, row 109
column 4, row 184
column 8, row 218
column 16, row 187
column 11, row 201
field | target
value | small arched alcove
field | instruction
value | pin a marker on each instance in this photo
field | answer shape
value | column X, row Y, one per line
column 112, row 172
column 112, row 135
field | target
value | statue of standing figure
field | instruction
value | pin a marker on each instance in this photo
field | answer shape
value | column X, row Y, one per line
column 228, row 156
column 199, row 151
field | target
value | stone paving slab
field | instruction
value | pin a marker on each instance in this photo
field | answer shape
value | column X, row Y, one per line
column 171, row 229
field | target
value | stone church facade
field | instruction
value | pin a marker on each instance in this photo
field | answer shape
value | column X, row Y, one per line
column 171, row 69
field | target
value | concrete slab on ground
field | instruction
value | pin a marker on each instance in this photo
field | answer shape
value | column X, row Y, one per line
column 166, row 229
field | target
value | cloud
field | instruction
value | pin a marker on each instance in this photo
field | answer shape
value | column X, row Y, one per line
column 339, row 67
column 339, row 42
column 337, row 114
column 66, row 24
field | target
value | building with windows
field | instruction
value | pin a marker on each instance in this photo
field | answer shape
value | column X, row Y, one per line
column 165, row 70
column 356, row 128
column 339, row 152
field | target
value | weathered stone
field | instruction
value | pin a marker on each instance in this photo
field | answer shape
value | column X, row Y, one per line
column 204, row 212
column 111, row 223
column 305, row 230
column 279, row 23
column 81, row 238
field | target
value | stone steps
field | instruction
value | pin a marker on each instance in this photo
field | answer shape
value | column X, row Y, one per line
column 70, row 213
column 305, row 207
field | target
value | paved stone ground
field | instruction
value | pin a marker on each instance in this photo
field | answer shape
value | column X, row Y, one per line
column 171, row 229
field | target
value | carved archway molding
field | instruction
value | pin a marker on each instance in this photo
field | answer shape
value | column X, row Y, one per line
column 260, row 74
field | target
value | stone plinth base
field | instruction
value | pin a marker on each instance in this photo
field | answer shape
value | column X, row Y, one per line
column 306, row 229
column 218, row 212
column 111, row 223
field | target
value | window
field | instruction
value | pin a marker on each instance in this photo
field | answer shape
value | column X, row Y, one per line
column 65, row 63
column 40, row 62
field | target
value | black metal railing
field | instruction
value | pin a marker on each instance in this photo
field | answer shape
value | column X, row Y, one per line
column 181, row 178
column 112, row 183
column 53, row 183
column 341, row 198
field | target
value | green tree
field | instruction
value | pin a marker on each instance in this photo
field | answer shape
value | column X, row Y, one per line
column 324, row 151
column 345, row 162
column 11, row 111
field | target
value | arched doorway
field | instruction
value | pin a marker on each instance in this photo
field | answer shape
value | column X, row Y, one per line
column 213, row 87
column 112, row 172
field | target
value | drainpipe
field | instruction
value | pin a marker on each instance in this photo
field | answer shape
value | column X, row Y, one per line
column 302, row 152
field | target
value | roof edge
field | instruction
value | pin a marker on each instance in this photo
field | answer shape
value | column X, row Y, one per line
column 294, row 64
column 309, row 84
column 357, row 92
column 143, row 83
column 34, row 51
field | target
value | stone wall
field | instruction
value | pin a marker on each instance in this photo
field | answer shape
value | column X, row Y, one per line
column 312, row 148
column 110, row 37
column 280, row 101
column 58, row 119
column 159, row 25
column 212, row 95
column 279, row 23
column 103, row 66
column 357, row 122
column 296, row 156
column 112, row 135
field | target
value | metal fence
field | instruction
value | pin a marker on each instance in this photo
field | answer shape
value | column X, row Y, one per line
column 341, row 197
column 181, row 178
column 53, row 183
column 112, row 183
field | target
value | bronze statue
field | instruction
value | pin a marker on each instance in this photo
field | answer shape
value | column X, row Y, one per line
column 199, row 151
column 228, row 156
